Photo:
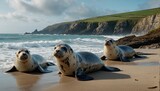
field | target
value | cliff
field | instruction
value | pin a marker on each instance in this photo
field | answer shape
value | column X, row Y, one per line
column 146, row 24
column 111, row 27
column 138, row 22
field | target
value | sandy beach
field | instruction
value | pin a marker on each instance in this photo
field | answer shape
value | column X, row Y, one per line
column 142, row 74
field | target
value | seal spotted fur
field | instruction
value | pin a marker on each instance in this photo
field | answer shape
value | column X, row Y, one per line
column 78, row 64
column 25, row 62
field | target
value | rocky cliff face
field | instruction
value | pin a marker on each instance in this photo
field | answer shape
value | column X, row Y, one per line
column 144, row 25
column 141, row 26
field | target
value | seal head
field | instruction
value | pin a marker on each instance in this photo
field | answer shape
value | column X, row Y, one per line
column 65, row 59
column 25, row 62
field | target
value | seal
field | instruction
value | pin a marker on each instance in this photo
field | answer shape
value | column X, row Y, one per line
column 25, row 62
column 121, row 52
column 77, row 64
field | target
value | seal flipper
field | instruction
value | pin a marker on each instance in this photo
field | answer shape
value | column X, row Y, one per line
column 124, row 59
column 110, row 69
column 137, row 56
column 103, row 58
column 80, row 75
column 43, row 70
column 50, row 64
column 12, row 69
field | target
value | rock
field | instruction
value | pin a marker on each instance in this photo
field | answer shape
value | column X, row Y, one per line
column 125, row 40
column 150, row 40
column 27, row 33
column 35, row 31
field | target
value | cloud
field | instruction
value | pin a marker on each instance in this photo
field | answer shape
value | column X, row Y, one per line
column 150, row 4
column 61, row 10
column 70, row 8
column 14, row 16
column 46, row 7
column 17, row 16
column 81, row 11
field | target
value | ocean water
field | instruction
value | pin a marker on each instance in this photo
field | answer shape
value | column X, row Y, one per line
column 44, row 44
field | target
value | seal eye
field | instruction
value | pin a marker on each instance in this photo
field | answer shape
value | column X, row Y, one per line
column 64, row 48
column 19, row 52
column 27, row 51
column 111, row 41
column 54, row 48
column 71, row 50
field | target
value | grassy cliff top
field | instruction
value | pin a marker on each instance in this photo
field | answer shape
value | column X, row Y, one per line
column 124, row 16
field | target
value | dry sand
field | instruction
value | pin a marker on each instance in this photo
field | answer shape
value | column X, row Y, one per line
column 141, row 74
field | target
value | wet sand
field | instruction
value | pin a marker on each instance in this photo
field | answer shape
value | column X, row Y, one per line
column 142, row 74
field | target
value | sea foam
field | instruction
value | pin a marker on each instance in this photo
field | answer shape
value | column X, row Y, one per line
column 44, row 45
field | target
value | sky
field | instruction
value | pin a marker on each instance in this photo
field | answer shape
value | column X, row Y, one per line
column 20, row 16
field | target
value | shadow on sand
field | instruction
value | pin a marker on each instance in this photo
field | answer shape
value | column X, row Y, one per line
column 101, row 75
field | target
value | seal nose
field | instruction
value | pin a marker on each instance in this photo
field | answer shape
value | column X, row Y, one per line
column 24, row 56
column 57, row 51
column 107, row 43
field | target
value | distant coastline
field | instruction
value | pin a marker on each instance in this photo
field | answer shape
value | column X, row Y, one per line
column 130, row 23
column 137, row 22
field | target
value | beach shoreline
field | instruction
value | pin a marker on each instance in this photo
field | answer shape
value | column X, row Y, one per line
column 141, row 74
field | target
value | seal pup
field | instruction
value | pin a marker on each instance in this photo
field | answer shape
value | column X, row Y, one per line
column 25, row 62
column 77, row 64
column 114, row 52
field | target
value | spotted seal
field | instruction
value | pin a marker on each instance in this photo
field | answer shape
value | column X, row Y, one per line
column 77, row 64
column 25, row 62
column 121, row 52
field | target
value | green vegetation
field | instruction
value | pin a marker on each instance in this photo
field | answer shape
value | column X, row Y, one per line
column 124, row 16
